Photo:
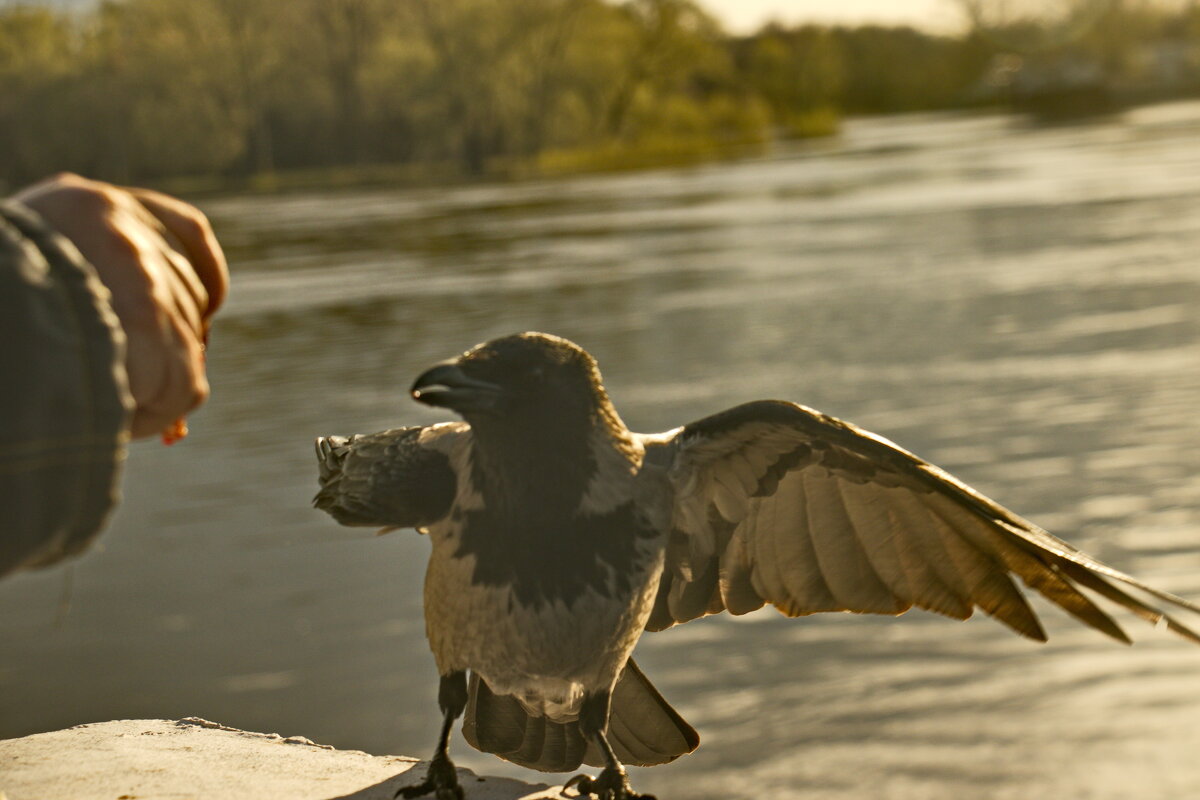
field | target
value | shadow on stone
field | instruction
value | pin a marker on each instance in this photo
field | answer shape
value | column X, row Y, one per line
column 474, row 786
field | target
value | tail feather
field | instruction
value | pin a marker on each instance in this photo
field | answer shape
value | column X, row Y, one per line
column 493, row 723
column 643, row 729
column 643, row 725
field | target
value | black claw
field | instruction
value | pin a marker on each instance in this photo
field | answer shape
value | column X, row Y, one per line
column 441, row 780
column 611, row 784
column 582, row 784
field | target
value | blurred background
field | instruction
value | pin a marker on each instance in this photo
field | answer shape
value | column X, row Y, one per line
column 970, row 226
column 204, row 94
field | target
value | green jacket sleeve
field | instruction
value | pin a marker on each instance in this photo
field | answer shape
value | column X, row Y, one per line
column 65, row 406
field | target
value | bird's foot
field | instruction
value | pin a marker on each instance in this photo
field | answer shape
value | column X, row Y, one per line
column 441, row 781
column 611, row 784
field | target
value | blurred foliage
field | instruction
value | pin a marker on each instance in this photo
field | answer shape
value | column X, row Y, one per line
column 147, row 90
column 1071, row 57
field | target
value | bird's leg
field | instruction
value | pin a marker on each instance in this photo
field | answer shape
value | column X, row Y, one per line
column 612, row 783
column 441, row 779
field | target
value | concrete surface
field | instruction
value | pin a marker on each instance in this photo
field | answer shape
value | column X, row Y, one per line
column 194, row 758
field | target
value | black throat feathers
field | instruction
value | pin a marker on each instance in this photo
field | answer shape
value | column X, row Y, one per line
column 532, row 533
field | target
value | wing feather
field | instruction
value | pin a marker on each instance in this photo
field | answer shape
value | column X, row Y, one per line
column 792, row 557
column 876, row 529
column 767, row 576
column 922, row 531
column 776, row 503
column 844, row 564
column 987, row 582
column 688, row 600
column 929, row 590
column 400, row 478
column 727, row 493
column 738, row 594
column 747, row 473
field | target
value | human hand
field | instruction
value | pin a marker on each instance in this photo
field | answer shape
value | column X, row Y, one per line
column 159, row 259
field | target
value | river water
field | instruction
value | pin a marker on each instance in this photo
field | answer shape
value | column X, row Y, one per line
column 1018, row 304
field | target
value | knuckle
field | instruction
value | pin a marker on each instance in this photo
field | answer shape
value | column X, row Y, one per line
column 65, row 176
column 122, row 245
column 88, row 199
column 200, row 392
column 198, row 224
column 188, row 221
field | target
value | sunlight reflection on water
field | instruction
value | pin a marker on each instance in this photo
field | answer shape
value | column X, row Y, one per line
column 1018, row 304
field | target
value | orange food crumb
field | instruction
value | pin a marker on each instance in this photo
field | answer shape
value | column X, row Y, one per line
column 175, row 431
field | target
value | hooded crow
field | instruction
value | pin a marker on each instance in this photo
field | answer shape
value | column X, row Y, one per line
column 559, row 536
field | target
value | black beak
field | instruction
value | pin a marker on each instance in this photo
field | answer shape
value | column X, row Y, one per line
column 447, row 386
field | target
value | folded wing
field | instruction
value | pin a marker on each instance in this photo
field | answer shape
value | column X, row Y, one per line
column 399, row 478
column 777, row 503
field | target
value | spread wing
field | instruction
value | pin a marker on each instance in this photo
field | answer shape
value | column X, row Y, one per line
column 777, row 503
column 401, row 478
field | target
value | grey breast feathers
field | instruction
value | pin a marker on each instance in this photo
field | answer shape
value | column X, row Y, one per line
column 777, row 503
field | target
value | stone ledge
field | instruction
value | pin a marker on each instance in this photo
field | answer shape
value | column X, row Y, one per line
column 193, row 758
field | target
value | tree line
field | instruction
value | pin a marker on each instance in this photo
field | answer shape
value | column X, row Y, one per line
column 146, row 90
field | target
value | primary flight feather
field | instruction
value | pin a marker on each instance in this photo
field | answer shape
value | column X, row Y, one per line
column 559, row 536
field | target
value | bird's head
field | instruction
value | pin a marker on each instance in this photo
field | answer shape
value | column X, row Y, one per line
column 527, row 379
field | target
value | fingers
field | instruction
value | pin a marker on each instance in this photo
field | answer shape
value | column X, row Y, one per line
column 188, row 296
column 147, row 265
column 166, row 375
column 165, row 358
column 192, row 230
column 166, row 276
